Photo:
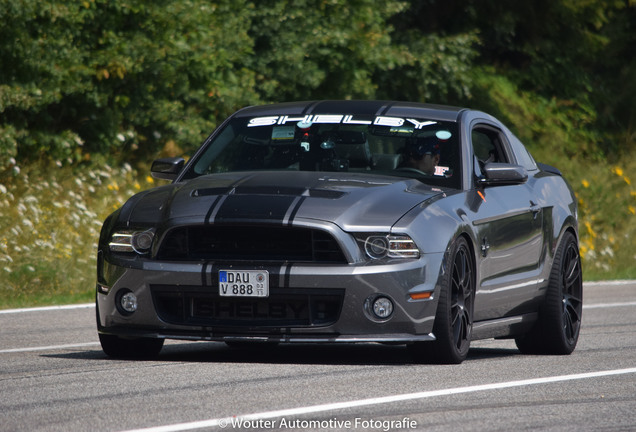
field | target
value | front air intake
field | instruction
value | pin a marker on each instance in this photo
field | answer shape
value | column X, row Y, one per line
column 249, row 243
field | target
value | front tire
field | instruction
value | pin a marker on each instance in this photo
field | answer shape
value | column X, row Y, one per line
column 140, row 348
column 557, row 330
column 453, row 325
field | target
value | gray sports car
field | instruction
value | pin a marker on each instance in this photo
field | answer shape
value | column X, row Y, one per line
column 346, row 221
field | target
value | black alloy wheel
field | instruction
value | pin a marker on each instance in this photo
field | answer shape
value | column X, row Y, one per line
column 572, row 295
column 462, row 299
column 557, row 330
column 454, row 317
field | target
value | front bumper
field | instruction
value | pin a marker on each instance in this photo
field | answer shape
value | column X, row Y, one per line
column 307, row 303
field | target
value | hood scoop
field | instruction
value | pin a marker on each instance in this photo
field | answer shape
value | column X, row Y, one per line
column 211, row 191
column 268, row 191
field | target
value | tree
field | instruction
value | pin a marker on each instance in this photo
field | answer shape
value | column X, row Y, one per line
column 126, row 77
column 114, row 76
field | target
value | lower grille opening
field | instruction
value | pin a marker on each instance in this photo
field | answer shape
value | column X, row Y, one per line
column 283, row 308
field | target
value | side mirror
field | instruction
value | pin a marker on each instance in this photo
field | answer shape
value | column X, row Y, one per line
column 167, row 168
column 503, row 174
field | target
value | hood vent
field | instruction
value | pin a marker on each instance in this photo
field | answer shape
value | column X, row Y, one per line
column 259, row 190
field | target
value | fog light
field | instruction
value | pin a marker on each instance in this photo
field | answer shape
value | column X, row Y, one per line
column 126, row 302
column 129, row 302
column 382, row 307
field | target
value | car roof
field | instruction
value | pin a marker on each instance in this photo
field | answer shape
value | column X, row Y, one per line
column 360, row 107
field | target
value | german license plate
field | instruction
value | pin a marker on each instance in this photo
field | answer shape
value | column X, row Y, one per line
column 244, row 283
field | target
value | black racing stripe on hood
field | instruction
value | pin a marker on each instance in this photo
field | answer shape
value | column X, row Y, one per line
column 261, row 207
column 222, row 193
column 208, row 215
column 292, row 216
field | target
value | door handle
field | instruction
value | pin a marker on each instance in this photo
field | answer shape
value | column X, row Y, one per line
column 484, row 247
column 535, row 209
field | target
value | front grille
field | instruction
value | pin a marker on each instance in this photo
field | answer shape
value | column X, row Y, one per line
column 250, row 243
column 283, row 308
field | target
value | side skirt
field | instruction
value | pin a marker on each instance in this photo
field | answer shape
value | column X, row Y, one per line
column 504, row 327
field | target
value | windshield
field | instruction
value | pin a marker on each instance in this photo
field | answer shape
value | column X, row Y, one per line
column 406, row 147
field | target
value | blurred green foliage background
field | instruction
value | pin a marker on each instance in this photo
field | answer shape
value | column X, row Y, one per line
column 92, row 90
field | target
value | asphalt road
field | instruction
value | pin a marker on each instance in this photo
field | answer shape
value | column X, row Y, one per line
column 54, row 377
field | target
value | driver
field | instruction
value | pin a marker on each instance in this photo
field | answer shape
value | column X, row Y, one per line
column 422, row 154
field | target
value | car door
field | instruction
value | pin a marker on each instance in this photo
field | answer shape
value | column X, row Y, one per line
column 508, row 225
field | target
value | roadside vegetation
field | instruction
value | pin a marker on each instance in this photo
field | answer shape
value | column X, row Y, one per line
column 92, row 91
column 50, row 222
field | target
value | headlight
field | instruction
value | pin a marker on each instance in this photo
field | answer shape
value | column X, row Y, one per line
column 376, row 247
column 391, row 246
column 132, row 241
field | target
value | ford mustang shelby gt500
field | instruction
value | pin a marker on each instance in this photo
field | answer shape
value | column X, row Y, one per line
column 346, row 221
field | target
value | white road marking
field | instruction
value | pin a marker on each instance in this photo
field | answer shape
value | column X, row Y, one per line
column 48, row 308
column 228, row 421
column 617, row 282
column 608, row 305
column 48, row 348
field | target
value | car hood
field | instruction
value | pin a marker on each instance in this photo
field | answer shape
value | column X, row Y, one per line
column 353, row 201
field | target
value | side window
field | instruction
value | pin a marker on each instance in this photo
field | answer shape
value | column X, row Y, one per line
column 488, row 144
column 524, row 157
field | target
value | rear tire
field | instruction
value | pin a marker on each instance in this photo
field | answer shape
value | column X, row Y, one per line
column 140, row 348
column 559, row 324
column 453, row 325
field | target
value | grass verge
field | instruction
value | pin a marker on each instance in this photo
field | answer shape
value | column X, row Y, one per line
column 50, row 219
